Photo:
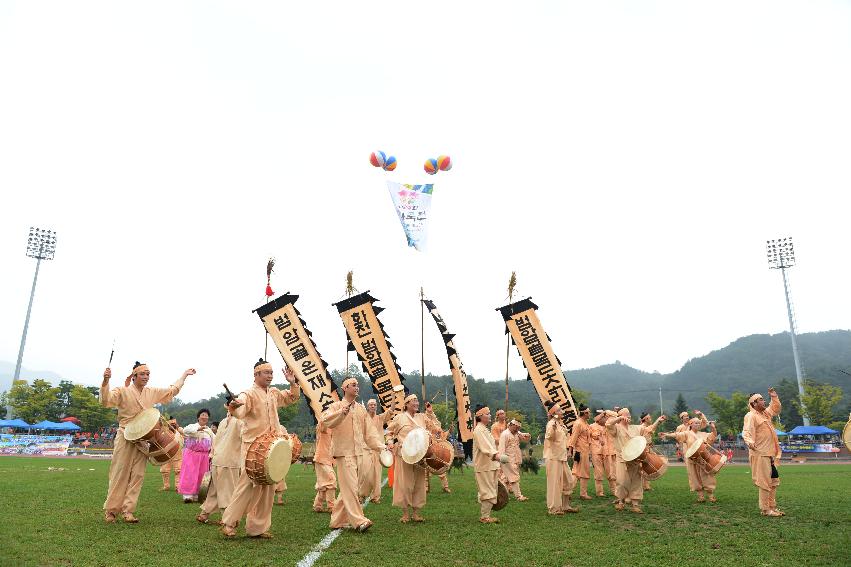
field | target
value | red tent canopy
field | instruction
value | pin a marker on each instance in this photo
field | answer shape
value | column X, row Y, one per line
column 71, row 418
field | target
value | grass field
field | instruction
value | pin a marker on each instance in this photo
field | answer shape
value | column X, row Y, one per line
column 54, row 518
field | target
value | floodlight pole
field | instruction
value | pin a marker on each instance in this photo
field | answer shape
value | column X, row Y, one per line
column 781, row 255
column 798, row 372
column 41, row 246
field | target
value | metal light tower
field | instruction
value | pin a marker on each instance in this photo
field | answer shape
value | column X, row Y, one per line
column 41, row 245
column 781, row 255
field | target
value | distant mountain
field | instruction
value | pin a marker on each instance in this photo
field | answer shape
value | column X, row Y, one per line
column 7, row 372
column 748, row 364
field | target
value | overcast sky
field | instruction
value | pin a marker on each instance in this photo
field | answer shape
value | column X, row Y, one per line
column 628, row 159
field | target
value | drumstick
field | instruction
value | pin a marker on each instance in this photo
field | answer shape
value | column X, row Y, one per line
column 228, row 394
column 111, row 354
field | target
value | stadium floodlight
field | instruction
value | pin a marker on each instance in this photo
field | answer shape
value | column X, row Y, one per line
column 41, row 245
column 780, row 254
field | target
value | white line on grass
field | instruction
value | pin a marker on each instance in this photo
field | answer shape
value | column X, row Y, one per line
column 309, row 559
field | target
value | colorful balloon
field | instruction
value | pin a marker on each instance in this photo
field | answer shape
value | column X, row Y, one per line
column 390, row 163
column 430, row 166
column 377, row 158
column 444, row 163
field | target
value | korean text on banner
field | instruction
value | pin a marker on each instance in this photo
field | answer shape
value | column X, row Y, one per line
column 544, row 368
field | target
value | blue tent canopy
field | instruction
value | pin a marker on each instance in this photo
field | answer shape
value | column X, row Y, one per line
column 19, row 423
column 812, row 430
column 44, row 425
column 67, row 426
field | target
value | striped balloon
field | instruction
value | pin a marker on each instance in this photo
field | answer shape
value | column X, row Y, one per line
column 430, row 166
column 390, row 163
column 444, row 163
column 377, row 158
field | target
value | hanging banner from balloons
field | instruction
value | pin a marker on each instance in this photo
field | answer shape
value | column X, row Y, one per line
column 459, row 377
column 289, row 332
column 368, row 339
column 412, row 203
column 544, row 367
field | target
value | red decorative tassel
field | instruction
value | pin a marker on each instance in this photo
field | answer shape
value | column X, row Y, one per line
column 269, row 292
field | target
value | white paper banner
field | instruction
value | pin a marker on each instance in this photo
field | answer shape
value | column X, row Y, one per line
column 412, row 203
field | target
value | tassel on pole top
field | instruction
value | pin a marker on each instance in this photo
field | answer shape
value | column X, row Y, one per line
column 350, row 288
column 512, row 283
column 270, row 267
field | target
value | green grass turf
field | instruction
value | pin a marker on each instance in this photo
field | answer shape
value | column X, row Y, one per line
column 55, row 518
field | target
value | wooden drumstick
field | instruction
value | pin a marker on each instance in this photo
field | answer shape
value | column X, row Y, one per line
column 228, row 394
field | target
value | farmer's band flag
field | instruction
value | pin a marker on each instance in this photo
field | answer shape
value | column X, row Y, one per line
column 412, row 204
column 368, row 340
column 540, row 361
column 459, row 377
column 284, row 324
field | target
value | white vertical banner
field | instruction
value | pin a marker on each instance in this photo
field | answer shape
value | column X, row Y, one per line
column 413, row 205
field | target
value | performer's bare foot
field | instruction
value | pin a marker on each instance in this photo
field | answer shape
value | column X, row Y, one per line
column 130, row 518
column 701, row 500
column 318, row 509
column 571, row 510
column 489, row 520
column 637, row 509
column 165, row 489
column 364, row 526
column 771, row 513
column 202, row 517
column 601, row 494
column 619, row 505
column 647, row 489
column 264, row 535
column 779, row 511
column 712, row 498
column 418, row 518
column 404, row 519
column 228, row 531
column 447, row 490
column 522, row 498
column 585, row 497
column 559, row 513
column 375, row 500
column 109, row 517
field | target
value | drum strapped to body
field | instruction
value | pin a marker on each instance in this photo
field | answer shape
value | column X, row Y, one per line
column 653, row 465
column 296, row 443
column 421, row 449
column 706, row 456
column 204, row 488
column 152, row 435
column 501, row 496
column 268, row 458
column 386, row 458
column 846, row 434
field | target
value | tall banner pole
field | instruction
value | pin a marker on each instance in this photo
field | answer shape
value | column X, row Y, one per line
column 512, row 282
column 270, row 265
column 422, row 344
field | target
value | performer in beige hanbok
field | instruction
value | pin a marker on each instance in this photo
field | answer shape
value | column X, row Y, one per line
column 630, row 482
column 560, row 480
column 127, row 469
column 579, row 444
column 509, row 445
column 699, row 480
column 409, row 481
column 648, row 427
column 323, row 466
column 602, row 455
column 226, row 464
column 369, row 483
column 257, row 407
column 764, row 450
column 486, row 465
column 351, row 430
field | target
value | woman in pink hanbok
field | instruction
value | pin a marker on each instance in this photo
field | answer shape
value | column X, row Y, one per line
column 196, row 456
